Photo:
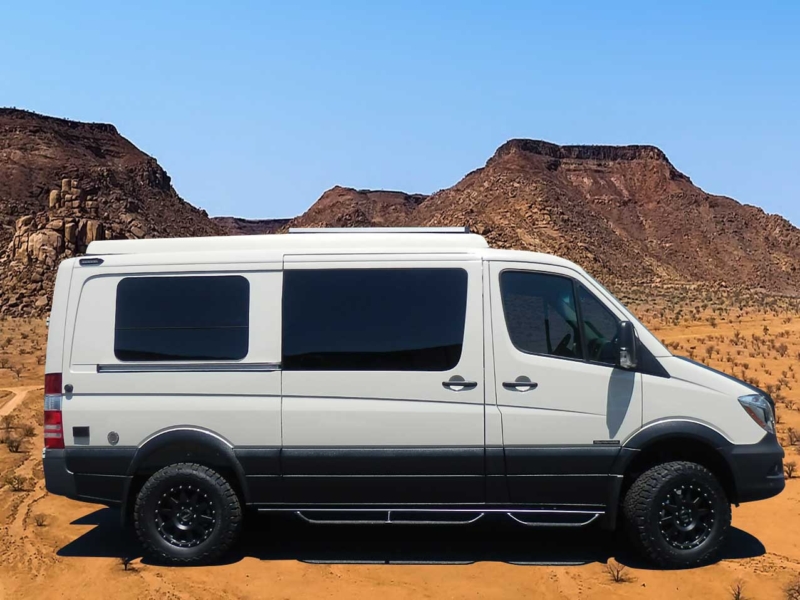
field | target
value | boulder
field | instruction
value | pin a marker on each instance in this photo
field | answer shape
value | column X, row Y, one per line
column 94, row 231
column 54, row 199
column 45, row 242
column 70, row 232
column 24, row 221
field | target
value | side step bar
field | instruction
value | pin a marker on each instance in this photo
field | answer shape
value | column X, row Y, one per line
column 388, row 517
column 422, row 516
column 555, row 518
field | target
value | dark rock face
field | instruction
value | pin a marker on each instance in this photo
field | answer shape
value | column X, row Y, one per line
column 623, row 213
column 347, row 207
column 64, row 184
column 239, row 226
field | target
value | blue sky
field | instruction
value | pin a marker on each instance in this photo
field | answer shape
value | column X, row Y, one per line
column 255, row 108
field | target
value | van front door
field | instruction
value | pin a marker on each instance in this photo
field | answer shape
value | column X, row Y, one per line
column 383, row 394
column 565, row 406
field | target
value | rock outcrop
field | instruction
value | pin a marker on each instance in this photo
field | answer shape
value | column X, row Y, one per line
column 625, row 213
column 64, row 184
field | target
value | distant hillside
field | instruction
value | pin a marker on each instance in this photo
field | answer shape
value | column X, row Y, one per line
column 239, row 226
column 64, row 184
column 625, row 213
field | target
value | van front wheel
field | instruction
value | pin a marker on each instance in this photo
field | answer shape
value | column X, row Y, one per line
column 187, row 514
column 677, row 514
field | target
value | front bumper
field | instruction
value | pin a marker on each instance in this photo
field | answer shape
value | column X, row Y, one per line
column 757, row 469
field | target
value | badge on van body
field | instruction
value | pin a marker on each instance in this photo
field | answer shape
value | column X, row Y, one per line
column 113, row 438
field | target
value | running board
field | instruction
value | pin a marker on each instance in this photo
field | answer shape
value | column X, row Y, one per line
column 422, row 516
column 388, row 517
column 555, row 518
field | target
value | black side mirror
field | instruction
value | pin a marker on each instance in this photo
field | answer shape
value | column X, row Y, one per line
column 627, row 346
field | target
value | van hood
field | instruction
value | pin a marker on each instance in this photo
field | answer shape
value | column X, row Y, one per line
column 697, row 373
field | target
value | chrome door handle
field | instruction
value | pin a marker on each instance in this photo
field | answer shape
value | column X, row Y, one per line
column 520, row 384
column 457, row 384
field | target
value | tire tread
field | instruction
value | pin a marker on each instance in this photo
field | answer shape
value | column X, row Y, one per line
column 637, row 507
column 229, row 533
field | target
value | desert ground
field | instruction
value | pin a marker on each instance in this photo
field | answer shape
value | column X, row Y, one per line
column 56, row 548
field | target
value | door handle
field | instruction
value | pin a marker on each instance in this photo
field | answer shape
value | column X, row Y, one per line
column 457, row 384
column 520, row 384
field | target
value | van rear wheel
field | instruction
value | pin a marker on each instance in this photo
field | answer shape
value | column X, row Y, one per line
column 187, row 514
column 677, row 515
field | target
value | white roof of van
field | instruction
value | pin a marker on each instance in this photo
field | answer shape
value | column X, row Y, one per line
column 326, row 241
column 406, row 238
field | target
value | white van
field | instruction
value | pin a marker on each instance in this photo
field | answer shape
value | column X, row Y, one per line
column 394, row 376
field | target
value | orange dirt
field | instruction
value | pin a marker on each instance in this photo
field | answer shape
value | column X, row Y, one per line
column 78, row 550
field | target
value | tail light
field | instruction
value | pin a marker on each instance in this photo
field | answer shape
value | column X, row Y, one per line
column 53, row 424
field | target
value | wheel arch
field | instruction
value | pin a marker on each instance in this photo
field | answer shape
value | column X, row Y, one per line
column 672, row 440
column 177, row 445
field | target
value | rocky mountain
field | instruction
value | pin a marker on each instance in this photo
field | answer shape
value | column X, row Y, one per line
column 624, row 213
column 64, row 184
column 239, row 226
column 346, row 207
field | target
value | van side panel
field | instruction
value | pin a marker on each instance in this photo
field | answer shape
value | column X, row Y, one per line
column 118, row 407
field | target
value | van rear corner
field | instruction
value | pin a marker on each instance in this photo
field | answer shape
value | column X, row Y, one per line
column 57, row 320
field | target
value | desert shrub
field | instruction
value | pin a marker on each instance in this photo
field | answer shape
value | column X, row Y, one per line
column 27, row 430
column 7, row 422
column 737, row 591
column 793, row 590
column 14, row 444
column 616, row 571
column 16, row 483
column 126, row 563
column 789, row 468
column 794, row 436
column 40, row 519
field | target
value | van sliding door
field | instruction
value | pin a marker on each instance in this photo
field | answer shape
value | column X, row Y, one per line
column 383, row 392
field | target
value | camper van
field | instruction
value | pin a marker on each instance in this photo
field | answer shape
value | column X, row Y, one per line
column 393, row 376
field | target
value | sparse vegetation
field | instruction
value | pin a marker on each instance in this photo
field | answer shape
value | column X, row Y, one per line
column 127, row 563
column 16, row 483
column 793, row 590
column 14, row 443
column 616, row 571
column 737, row 591
column 40, row 519
column 789, row 468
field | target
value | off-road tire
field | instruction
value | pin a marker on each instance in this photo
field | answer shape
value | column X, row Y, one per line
column 226, row 506
column 642, row 514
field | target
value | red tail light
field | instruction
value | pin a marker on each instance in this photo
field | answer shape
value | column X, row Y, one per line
column 53, row 424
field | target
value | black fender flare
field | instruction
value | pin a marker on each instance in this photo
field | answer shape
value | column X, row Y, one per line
column 654, row 433
column 184, row 444
column 661, row 431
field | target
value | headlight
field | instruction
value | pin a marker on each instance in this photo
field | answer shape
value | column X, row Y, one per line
column 759, row 410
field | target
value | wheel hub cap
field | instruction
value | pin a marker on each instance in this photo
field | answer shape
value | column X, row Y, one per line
column 185, row 516
column 686, row 517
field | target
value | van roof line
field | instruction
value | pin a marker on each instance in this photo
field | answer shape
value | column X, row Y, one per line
column 323, row 241
column 464, row 229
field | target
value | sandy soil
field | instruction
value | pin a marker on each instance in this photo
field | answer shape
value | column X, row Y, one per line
column 56, row 548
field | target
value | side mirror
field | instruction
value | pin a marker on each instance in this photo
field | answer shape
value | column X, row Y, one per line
column 627, row 346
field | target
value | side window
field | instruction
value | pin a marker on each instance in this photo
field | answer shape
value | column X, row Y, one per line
column 182, row 318
column 373, row 319
column 599, row 329
column 540, row 313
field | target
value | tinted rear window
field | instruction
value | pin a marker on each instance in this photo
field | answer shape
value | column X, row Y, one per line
column 373, row 319
column 182, row 318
